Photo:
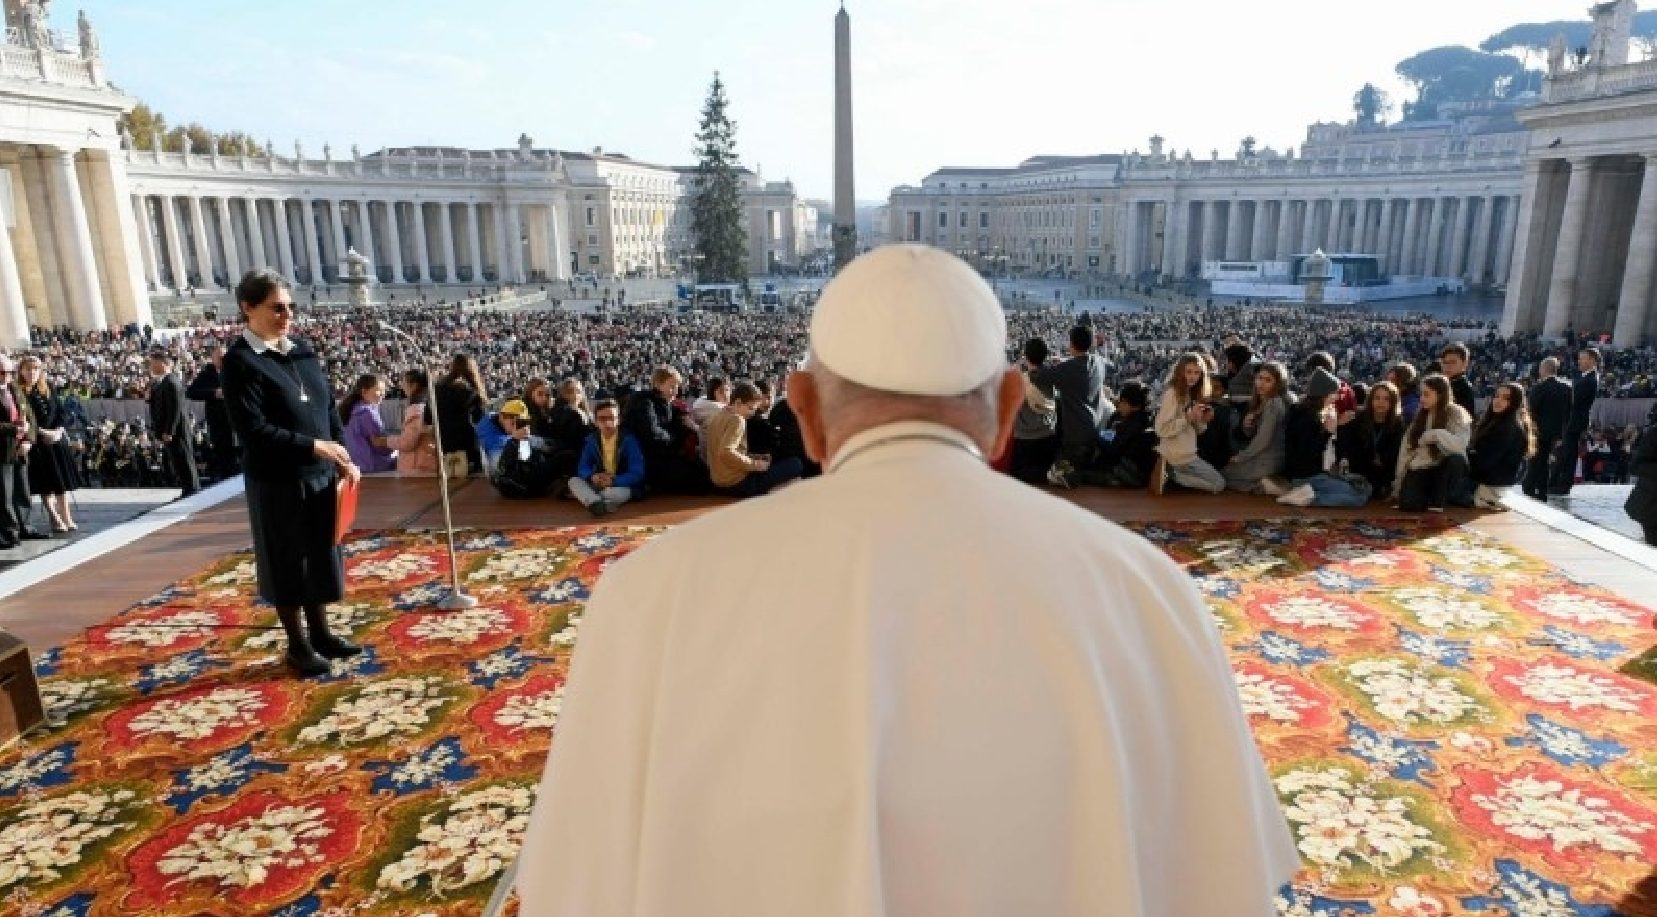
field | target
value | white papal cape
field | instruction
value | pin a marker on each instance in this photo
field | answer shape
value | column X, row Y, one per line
column 910, row 688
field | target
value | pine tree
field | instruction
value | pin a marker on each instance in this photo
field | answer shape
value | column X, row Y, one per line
column 717, row 214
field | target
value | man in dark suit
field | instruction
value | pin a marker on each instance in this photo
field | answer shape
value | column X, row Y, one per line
column 170, row 421
column 209, row 390
column 1550, row 408
column 1583, row 392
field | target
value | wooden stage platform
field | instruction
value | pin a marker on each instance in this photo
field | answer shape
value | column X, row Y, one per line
column 76, row 598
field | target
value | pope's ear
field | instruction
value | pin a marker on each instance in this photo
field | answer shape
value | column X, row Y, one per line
column 807, row 403
column 1008, row 396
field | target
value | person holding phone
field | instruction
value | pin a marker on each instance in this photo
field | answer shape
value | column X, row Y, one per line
column 1183, row 416
column 278, row 396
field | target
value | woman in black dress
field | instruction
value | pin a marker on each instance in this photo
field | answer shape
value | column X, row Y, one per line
column 459, row 399
column 277, row 394
column 53, row 470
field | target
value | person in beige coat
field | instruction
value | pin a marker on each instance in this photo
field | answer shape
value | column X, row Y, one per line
column 1435, row 449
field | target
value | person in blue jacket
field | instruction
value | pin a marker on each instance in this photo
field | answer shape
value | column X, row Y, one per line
column 611, row 470
column 497, row 429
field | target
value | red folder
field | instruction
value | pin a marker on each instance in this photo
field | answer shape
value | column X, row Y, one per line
column 345, row 513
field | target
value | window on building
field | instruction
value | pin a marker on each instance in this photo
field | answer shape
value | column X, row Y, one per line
column 943, row 220
column 1095, row 218
column 592, row 216
column 963, row 222
column 983, row 219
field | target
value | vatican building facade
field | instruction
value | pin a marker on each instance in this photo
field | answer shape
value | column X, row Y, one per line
column 94, row 230
column 1551, row 198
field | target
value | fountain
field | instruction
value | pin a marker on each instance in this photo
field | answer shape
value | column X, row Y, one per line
column 357, row 280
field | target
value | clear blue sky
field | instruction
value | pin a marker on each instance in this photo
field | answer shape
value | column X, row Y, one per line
column 938, row 82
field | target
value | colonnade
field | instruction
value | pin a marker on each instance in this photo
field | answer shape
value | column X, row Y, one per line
column 207, row 241
column 1470, row 237
column 65, row 257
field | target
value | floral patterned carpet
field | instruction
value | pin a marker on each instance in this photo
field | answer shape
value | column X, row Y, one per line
column 1444, row 717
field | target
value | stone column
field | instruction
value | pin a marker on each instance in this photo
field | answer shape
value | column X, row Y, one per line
column 1383, row 242
column 175, row 242
column 1285, row 230
column 1133, row 240
column 474, row 239
column 1458, row 245
column 1567, row 257
column 423, row 257
column 283, row 227
column 14, row 313
column 227, row 240
column 1171, row 238
column 555, row 243
column 1309, row 227
column 394, row 242
column 1212, row 249
column 1259, row 244
column 75, row 235
column 203, row 248
column 115, row 238
column 1479, row 253
column 1235, row 250
column 1408, row 246
column 446, row 243
column 1523, row 284
column 1505, row 240
column 255, row 235
column 313, row 246
column 514, row 244
column 146, row 240
column 1434, row 262
column 1634, row 303
column 337, row 218
column 365, row 222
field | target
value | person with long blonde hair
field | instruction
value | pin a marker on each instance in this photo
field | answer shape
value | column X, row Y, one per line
column 1182, row 417
column 53, row 471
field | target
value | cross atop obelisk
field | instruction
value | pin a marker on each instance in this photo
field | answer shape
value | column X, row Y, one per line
column 845, row 195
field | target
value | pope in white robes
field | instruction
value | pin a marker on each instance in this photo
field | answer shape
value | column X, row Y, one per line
column 912, row 687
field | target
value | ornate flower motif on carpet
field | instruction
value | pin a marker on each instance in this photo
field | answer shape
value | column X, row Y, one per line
column 1447, row 721
column 187, row 773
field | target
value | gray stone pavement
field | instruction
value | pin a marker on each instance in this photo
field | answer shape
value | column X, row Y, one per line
column 1601, row 504
column 95, row 510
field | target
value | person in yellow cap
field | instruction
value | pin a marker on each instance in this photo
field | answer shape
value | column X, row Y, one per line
column 495, row 430
column 935, row 691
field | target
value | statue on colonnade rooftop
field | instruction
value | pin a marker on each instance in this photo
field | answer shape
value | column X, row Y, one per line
column 89, row 38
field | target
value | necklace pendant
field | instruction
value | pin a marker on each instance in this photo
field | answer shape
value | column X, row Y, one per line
column 304, row 396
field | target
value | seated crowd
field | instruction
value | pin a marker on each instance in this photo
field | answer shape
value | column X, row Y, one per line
column 1232, row 421
column 1308, row 439
column 733, row 439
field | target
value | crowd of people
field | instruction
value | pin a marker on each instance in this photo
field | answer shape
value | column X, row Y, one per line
column 696, row 398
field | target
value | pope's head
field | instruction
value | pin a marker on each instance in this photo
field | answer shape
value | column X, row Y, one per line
column 906, row 332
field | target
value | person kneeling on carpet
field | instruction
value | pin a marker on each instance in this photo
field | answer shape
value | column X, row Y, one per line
column 611, row 470
column 1127, row 447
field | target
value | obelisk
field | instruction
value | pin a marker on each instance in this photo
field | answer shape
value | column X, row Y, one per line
column 845, row 195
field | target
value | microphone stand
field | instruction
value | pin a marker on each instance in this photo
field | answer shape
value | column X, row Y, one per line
column 457, row 599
